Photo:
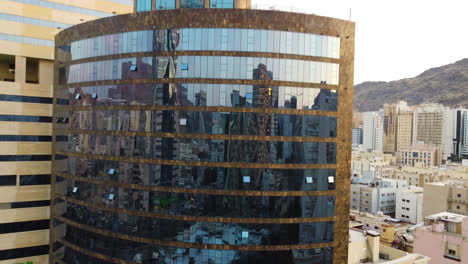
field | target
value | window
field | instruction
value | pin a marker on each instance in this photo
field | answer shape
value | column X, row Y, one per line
column 165, row 4
column 94, row 95
column 192, row 4
column 458, row 207
column 75, row 189
column 111, row 171
column 452, row 252
column 331, row 179
column 309, row 180
column 111, row 196
column 133, row 67
column 77, row 96
column 245, row 234
column 246, row 179
column 8, row 180
column 458, row 195
column 183, row 122
column 184, row 66
column 35, row 179
column 222, row 3
column 143, row 5
column 376, row 227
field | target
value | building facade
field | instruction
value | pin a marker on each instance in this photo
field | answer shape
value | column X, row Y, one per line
column 434, row 125
column 372, row 131
column 420, row 155
column 444, row 238
column 27, row 33
column 366, row 247
column 448, row 196
column 404, row 137
column 375, row 195
column 409, row 205
column 203, row 136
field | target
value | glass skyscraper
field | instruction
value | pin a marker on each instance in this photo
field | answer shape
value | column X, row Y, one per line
column 203, row 135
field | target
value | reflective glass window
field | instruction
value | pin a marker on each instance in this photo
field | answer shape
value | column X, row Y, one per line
column 209, row 233
column 192, row 3
column 165, row 4
column 218, row 39
column 194, row 94
column 248, row 68
column 222, row 3
column 203, row 205
column 27, row 40
column 199, row 177
column 208, row 150
column 215, row 123
column 33, row 21
column 129, row 250
column 69, row 8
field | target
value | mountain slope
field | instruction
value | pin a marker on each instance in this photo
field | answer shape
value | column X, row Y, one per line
column 447, row 85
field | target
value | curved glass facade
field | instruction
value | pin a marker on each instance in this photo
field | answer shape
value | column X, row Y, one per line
column 198, row 145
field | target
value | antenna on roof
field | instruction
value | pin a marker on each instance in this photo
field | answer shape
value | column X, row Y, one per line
column 350, row 13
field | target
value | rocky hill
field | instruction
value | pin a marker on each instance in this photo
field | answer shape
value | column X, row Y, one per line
column 447, row 85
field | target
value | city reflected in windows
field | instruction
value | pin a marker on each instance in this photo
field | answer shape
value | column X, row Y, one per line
column 213, row 139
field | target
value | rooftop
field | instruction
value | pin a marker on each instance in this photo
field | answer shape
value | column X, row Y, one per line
column 447, row 217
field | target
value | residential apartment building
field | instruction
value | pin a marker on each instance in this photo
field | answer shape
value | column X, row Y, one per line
column 27, row 32
column 409, row 205
column 375, row 195
column 434, row 125
column 420, row 155
column 447, row 196
column 372, row 131
column 404, row 137
column 366, row 247
column 371, row 164
column 444, row 238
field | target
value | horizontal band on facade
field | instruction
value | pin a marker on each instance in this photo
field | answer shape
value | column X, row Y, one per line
column 203, row 53
column 194, row 136
column 282, row 111
column 25, row 99
column 196, row 191
column 211, row 18
column 230, row 220
column 191, row 245
column 90, row 253
column 198, row 163
column 197, row 80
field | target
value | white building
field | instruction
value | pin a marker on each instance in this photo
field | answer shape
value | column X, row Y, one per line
column 372, row 131
column 409, row 205
column 375, row 195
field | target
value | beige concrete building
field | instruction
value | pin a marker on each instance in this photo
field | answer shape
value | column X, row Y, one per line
column 444, row 238
column 434, row 124
column 404, row 129
column 449, row 196
column 27, row 34
column 420, row 155
column 365, row 247
column 397, row 119
column 417, row 176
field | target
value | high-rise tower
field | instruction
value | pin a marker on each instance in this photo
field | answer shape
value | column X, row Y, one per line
column 203, row 135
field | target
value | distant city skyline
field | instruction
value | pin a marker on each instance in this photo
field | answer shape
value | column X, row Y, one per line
column 394, row 39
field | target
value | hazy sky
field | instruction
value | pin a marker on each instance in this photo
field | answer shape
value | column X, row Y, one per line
column 396, row 39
